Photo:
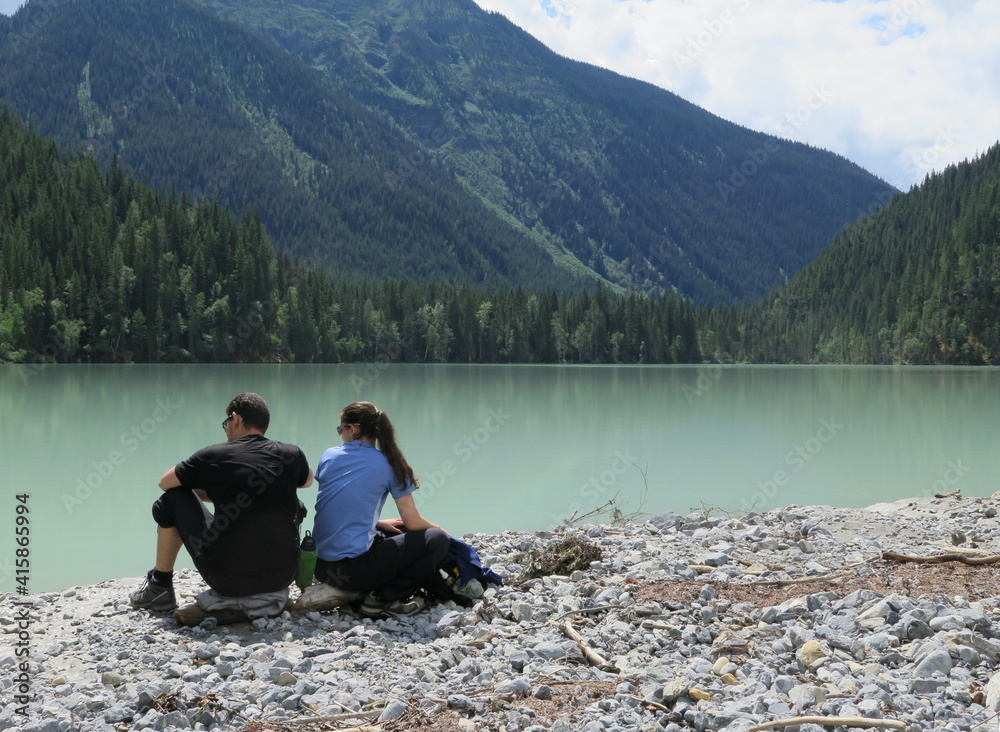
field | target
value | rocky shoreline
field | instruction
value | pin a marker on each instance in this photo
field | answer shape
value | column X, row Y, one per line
column 699, row 622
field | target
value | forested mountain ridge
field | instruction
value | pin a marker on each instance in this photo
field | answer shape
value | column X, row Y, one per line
column 917, row 282
column 194, row 103
column 645, row 188
column 428, row 140
column 99, row 268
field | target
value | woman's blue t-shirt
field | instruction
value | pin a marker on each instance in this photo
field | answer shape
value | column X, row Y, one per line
column 354, row 481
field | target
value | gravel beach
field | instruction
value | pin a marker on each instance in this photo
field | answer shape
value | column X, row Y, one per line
column 698, row 622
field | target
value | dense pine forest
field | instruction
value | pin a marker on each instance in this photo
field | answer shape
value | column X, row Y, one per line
column 917, row 282
column 99, row 268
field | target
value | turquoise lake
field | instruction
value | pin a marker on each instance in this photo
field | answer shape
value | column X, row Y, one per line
column 496, row 447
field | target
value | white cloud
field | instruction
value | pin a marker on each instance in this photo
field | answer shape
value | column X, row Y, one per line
column 901, row 87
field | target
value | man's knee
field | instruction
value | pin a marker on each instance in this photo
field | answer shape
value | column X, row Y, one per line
column 175, row 509
column 163, row 511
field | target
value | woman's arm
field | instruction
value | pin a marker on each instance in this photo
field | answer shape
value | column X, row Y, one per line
column 410, row 516
column 389, row 526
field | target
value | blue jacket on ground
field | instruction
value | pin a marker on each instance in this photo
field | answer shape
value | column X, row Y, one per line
column 470, row 566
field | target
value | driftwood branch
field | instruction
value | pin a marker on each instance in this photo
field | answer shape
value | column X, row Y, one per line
column 831, row 722
column 938, row 558
column 587, row 610
column 332, row 718
column 800, row 581
column 593, row 656
column 650, row 704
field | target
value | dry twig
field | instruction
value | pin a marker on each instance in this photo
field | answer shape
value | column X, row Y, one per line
column 830, row 722
column 937, row 558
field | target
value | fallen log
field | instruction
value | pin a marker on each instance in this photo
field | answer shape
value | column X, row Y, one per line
column 957, row 493
column 830, row 722
column 192, row 615
column 938, row 558
column 321, row 596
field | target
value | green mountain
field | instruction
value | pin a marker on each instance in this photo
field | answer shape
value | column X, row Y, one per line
column 193, row 103
column 641, row 186
column 428, row 140
column 917, row 282
column 99, row 268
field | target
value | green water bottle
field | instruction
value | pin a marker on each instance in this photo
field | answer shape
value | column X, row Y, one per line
column 307, row 561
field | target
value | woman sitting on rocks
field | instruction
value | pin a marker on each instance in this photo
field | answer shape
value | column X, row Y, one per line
column 357, row 551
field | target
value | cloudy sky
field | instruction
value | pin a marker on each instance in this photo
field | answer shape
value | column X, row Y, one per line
column 902, row 87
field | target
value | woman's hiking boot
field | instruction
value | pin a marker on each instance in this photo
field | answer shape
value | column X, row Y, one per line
column 373, row 607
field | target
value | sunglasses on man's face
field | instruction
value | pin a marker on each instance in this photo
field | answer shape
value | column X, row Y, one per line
column 226, row 420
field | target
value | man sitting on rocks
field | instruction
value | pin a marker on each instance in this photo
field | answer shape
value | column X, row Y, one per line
column 249, row 547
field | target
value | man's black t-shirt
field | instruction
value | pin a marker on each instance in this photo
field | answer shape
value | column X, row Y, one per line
column 252, row 543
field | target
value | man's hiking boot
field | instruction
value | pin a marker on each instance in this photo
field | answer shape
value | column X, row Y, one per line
column 153, row 596
column 373, row 607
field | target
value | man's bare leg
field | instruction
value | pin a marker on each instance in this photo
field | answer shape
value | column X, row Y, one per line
column 168, row 546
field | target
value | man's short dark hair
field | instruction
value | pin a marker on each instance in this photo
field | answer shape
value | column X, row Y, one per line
column 253, row 409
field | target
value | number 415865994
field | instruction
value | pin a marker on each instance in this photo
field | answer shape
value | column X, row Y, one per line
column 22, row 534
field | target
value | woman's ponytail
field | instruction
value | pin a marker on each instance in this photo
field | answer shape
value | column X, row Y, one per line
column 374, row 424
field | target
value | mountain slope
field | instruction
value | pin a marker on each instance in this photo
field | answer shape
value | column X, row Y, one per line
column 645, row 188
column 101, row 269
column 194, row 103
column 428, row 140
column 915, row 283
